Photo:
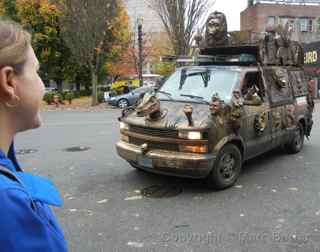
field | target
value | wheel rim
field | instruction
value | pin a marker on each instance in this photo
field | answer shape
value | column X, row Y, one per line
column 123, row 103
column 227, row 167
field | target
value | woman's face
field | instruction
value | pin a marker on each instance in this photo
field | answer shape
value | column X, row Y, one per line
column 30, row 89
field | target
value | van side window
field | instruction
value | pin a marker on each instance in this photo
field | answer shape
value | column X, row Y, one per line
column 252, row 89
column 279, row 86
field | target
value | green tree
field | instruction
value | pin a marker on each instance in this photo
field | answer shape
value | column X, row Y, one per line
column 9, row 9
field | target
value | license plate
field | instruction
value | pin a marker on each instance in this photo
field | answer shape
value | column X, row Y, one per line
column 145, row 161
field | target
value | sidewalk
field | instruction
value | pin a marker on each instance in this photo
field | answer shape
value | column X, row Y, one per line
column 81, row 104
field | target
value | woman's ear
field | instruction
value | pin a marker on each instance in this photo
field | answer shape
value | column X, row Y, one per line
column 7, row 88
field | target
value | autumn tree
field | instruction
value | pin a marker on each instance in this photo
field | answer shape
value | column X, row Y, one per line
column 41, row 19
column 119, row 59
column 86, row 29
column 181, row 19
column 161, row 46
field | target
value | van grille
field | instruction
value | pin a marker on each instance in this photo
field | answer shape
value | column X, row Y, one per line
column 154, row 145
column 169, row 133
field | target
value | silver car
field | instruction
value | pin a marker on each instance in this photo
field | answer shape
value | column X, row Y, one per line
column 129, row 99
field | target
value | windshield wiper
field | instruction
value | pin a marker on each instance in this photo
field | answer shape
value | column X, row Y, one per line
column 169, row 95
column 195, row 97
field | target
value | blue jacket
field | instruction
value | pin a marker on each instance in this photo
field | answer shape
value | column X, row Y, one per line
column 27, row 224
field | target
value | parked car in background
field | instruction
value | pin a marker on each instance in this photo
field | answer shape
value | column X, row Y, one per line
column 128, row 99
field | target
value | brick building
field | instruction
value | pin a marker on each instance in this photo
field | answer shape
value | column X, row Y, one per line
column 302, row 16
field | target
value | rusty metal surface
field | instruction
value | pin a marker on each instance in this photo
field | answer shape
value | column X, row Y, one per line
column 175, row 117
column 169, row 162
column 165, row 140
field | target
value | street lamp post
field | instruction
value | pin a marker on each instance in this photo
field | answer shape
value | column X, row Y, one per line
column 140, row 20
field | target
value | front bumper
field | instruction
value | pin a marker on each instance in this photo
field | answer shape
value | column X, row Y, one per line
column 168, row 162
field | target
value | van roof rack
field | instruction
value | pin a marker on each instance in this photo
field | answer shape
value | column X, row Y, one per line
column 218, row 59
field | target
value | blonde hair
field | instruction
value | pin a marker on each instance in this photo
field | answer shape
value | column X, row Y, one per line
column 14, row 44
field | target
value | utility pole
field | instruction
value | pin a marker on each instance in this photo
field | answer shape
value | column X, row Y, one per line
column 140, row 20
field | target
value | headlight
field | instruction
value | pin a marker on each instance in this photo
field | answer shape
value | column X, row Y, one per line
column 124, row 126
column 192, row 135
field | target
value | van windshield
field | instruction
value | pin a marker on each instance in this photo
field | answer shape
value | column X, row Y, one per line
column 199, row 84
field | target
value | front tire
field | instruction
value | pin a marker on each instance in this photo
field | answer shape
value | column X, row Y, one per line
column 226, row 169
column 296, row 143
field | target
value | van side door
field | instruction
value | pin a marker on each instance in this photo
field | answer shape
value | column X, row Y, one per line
column 257, row 132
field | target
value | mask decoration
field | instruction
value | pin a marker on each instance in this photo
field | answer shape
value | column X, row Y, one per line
column 276, row 120
column 188, row 109
column 236, row 110
column 149, row 107
column 280, row 77
column 260, row 123
column 252, row 98
column 216, row 108
column 216, row 30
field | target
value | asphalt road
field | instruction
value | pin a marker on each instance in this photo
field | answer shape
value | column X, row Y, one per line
column 275, row 205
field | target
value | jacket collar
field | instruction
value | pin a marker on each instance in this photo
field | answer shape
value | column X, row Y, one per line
column 10, row 161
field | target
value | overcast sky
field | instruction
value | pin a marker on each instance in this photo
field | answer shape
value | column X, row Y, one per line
column 232, row 9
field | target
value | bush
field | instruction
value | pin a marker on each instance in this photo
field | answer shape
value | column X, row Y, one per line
column 64, row 94
column 48, row 97
column 85, row 92
column 69, row 96
column 76, row 94
column 61, row 98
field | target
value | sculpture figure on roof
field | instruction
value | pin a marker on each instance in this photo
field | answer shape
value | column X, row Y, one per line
column 269, row 47
column 216, row 30
column 284, row 52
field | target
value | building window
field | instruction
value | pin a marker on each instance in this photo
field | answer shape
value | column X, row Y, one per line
column 271, row 21
column 306, row 25
column 289, row 23
column 310, row 25
column 283, row 21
